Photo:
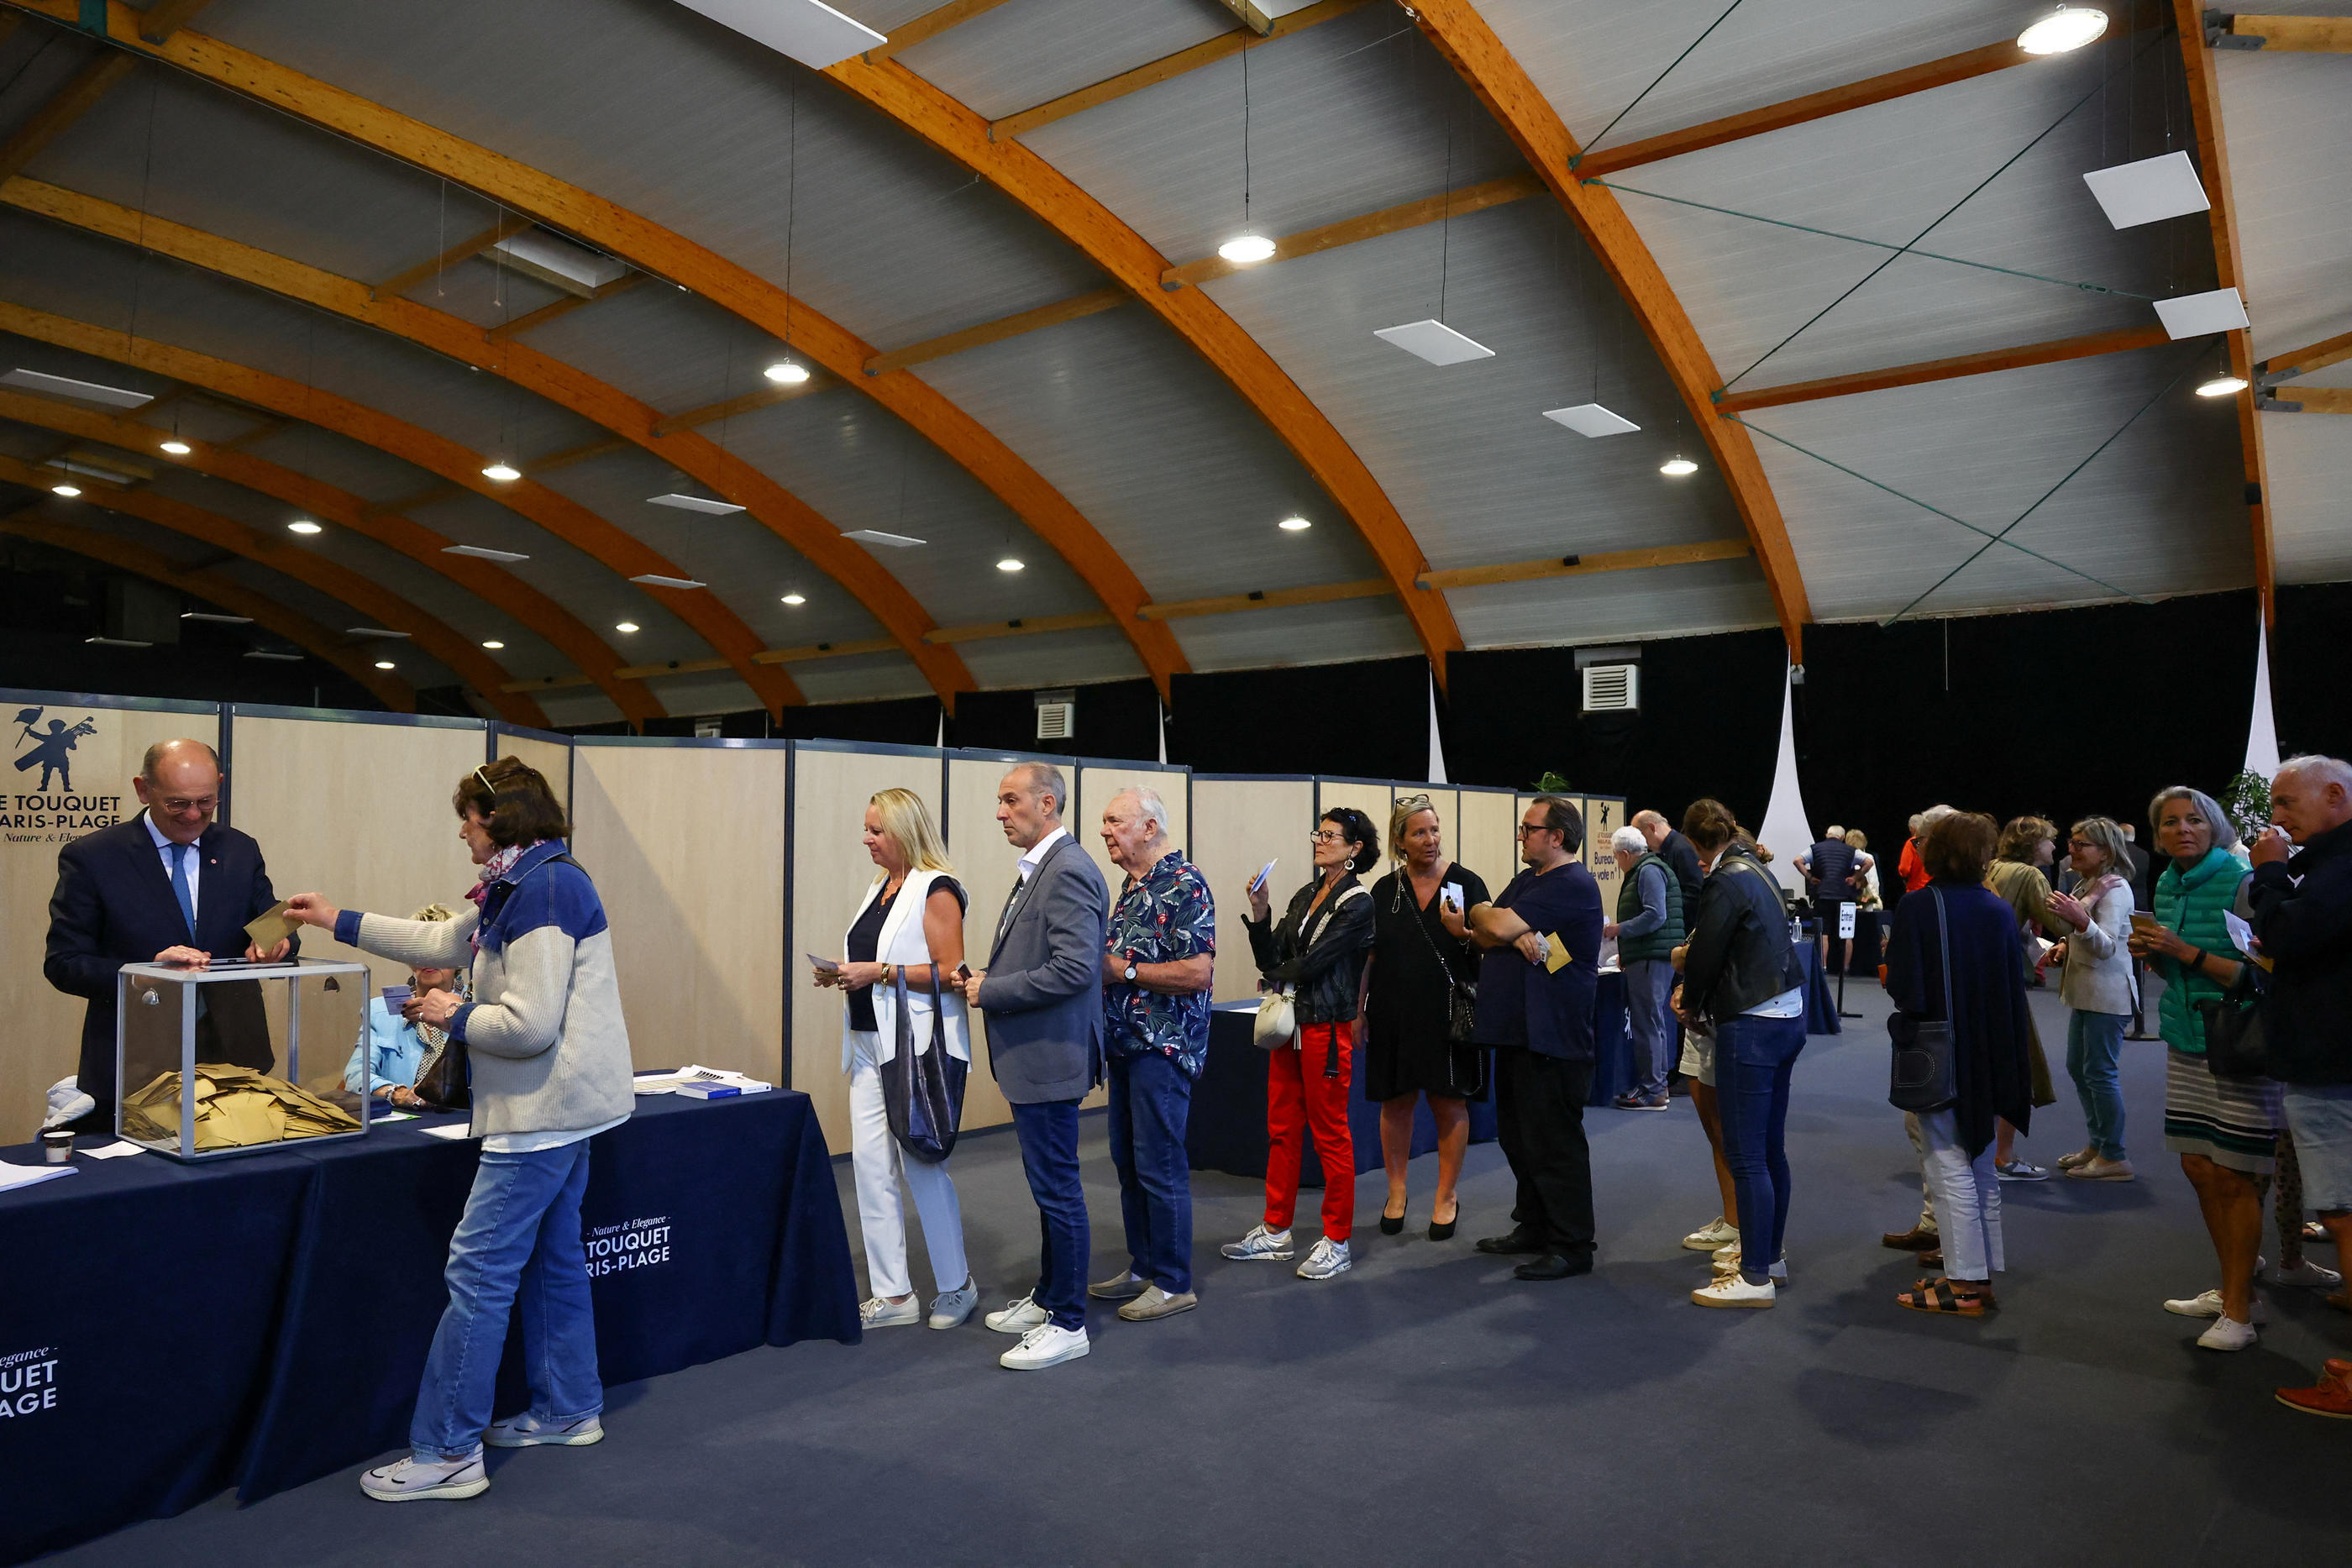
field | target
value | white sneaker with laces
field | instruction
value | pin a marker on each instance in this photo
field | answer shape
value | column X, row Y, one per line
column 2208, row 1304
column 415, row 1480
column 2228, row 1334
column 1273, row 1245
column 1714, row 1234
column 876, row 1312
column 2311, row 1275
column 1018, row 1317
column 1731, row 1290
column 1046, row 1345
column 951, row 1308
column 528, row 1431
column 1328, row 1258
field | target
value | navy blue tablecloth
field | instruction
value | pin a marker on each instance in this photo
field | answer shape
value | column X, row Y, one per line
column 263, row 1320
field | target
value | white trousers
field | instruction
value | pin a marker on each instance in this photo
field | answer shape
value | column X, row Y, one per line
column 879, row 1162
column 1968, row 1198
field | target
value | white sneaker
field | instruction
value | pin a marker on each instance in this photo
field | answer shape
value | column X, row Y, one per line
column 1046, row 1345
column 1715, row 1233
column 1733, row 1291
column 1274, row 1246
column 1018, row 1317
column 951, row 1308
column 527, row 1431
column 1726, row 1263
column 876, row 1312
column 1327, row 1258
column 2208, row 1304
column 2311, row 1275
column 413, row 1480
column 2228, row 1334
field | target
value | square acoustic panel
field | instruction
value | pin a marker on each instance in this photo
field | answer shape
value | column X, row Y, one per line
column 1435, row 341
column 2200, row 315
column 2154, row 188
column 1590, row 419
column 806, row 30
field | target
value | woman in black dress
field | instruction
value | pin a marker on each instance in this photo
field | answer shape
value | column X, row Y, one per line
column 1419, row 946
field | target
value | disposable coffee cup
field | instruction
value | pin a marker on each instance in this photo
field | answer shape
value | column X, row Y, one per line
column 57, row 1145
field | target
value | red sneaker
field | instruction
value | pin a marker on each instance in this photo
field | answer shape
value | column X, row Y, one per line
column 2332, row 1397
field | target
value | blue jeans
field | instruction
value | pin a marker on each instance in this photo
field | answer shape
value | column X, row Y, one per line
column 1649, row 984
column 1754, row 1059
column 2094, row 1043
column 1048, row 1135
column 521, row 1232
column 1149, row 1100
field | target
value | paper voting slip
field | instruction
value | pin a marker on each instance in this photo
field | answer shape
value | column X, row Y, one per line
column 1556, row 954
column 271, row 926
column 822, row 966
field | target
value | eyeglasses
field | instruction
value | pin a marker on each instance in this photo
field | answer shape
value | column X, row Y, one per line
column 2079, row 844
column 1524, row 828
column 1327, row 836
column 180, row 806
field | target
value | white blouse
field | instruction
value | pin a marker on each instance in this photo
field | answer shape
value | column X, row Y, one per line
column 902, row 942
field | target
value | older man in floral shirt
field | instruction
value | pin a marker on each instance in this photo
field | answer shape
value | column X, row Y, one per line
column 1156, row 976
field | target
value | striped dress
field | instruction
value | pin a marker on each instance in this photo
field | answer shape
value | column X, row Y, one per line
column 2232, row 1121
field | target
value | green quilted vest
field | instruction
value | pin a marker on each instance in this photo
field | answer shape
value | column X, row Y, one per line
column 2192, row 905
column 1659, row 944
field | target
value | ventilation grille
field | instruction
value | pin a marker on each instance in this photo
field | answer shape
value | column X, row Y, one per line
column 1612, row 689
column 1056, row 721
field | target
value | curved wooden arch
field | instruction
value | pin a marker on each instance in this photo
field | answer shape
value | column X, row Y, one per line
column 485, row 579
column 777, row 508
column 236, row 599
column 666, row 254
column 370, row 599
column 564, row 519
column 1058, row 201
column 1470, row 45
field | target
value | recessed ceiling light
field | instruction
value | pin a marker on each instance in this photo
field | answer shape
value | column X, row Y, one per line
column 1294, row 525
column 385, row 665
column 1677, row 467
column 624, row 626
column 656, row 579
column 1010, row 563
column 796, row 598
column 1435, row 341
column 484, row 552
column 505, row 473
column 493, row 644
column 787, row 372
column 693, row 504
column 2067, row 27
column 1590, row 419
column 178, row 448
column 2221, row 386
column 303, row 526
column 84, row 392
column 1242, row 250
column 2195, row 315
column 68, row 491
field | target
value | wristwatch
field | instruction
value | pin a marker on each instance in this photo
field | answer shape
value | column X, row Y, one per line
column 1130, row 969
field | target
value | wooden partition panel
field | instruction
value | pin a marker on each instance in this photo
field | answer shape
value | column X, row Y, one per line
column 1490, row 845
column 686, row 841
column 356, row 806
column 1097, row 781
column 551, row 754
column 1238, row 824
column 989, row 866
column 42, row 1040
column 1448, row 801
column 832, row 782
column 1372, row 797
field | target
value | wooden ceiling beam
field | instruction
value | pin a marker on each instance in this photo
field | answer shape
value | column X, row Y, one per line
column 1026, row 626
column 987, row 332
column 750, row 402
column 1462, row 36
column 69, row 103
column 487, row 581
column 1224, row 45
column 555, row 310
column 374, row 603
column 508, row 225
column 1585, row 565
column 2309, row 358
column 1269, row 599
column 1111, row 244
column 2228, row 268
column 632, row 237
column 1255, row 20
column 2304, row 35
column 2310, row 399
column 708, row 666
column 928, row 26
column 1370, row 225
column 234, row 597
column 2051, row 353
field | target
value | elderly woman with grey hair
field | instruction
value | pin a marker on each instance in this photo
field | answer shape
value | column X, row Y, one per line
column 1649, row 925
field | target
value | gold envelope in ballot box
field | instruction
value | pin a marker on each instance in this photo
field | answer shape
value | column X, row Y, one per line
column 238, row 1058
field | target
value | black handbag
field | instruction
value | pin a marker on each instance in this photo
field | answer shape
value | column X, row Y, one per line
column 1925, row 1074
column 2234, row 1046
column 1461, row 1006
column 923, row 1094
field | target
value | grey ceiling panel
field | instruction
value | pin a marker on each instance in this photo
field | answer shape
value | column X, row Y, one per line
column 1479, row 476
column 870, row 678
column 2158, row 512
column 34, row 64
column 1710, row 596
column 2290, row 144
column 1160, row 453
column 1052, row 658
column 2310, row 462
column 1301, row 634
column 1026, row 53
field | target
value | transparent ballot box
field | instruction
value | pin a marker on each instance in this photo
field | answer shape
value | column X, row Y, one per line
column 239, row 1057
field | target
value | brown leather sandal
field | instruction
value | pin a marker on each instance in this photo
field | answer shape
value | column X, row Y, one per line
column 1938, row 1296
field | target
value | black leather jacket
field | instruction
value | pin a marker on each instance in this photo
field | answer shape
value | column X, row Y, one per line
column 1740, row 952
column 1326, row 966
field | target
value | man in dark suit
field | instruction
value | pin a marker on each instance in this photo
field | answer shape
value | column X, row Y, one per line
column 169, row 886
column 1042, row 993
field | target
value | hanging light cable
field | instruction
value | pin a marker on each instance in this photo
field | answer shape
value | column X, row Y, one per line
column 1249, row 246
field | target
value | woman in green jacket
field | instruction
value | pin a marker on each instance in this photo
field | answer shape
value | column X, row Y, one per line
column 2225, row 1130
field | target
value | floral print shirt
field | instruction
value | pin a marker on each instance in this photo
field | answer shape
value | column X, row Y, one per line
column 1164, row 916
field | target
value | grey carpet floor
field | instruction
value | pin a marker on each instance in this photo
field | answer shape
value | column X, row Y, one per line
column 1428, row 1408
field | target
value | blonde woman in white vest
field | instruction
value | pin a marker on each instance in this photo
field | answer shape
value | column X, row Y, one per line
column 909, row 927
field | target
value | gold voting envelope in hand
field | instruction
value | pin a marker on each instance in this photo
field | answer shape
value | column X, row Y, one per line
column 271, row 926
column 1556, row 954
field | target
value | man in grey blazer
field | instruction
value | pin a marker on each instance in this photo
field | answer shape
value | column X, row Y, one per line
column 1042, row 994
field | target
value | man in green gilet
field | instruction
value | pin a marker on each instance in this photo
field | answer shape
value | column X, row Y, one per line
column 1648, row 927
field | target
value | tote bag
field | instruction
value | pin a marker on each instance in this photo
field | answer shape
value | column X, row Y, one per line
column 923, row 1094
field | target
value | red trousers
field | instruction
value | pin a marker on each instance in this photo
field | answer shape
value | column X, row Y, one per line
column 1297, row 1096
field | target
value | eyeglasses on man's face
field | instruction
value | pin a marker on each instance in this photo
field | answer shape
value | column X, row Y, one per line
column 1526, row 828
